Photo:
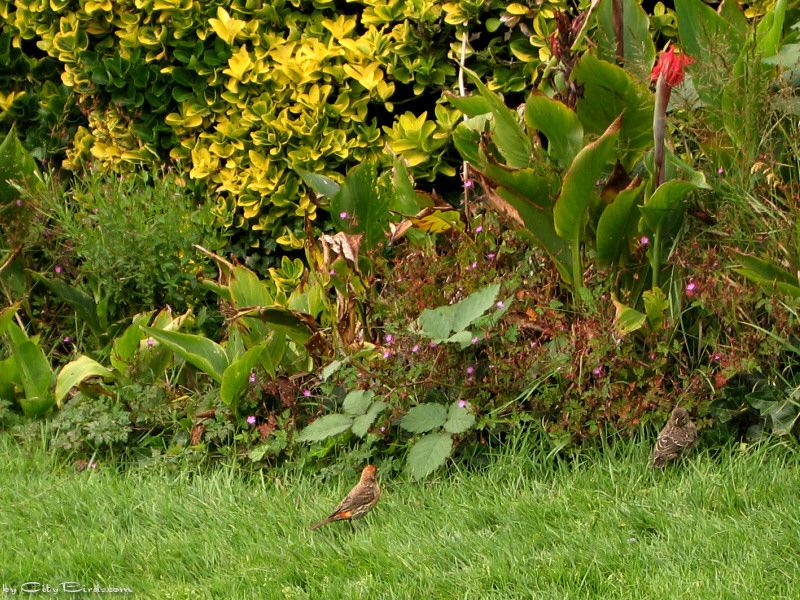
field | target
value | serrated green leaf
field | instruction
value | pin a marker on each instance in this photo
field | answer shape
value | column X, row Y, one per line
column 428, row 454
column 325, row 427
column 656, row 305
column 362, row 424
column 459, row 419
column 440, row 323
column 357, row 402
column 424, row 417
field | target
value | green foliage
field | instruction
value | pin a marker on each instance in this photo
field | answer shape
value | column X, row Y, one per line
column 751, row 407
column 16, row 164
column 428, row 454
column 101, row 228
column 360, row 412
column 450, row 323
column 30, row 379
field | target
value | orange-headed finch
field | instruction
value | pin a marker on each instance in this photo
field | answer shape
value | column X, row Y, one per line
column 359, row 501
column 678, row 437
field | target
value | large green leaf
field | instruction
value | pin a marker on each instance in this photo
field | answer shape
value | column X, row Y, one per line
column 34, row 372
column 74, row 373
column 531, row 185
column 237, row 375
column 424, row 417
column 248, row 290
column 608, row 92
column 273, row 354
column 428, row 454
column 559, row 124
column 358, row 207
column 322, row 186
column 571, row 210
column 769, row 31
column 404, row 200
column 539, row 222
column 665, row 206
column 325, row 427
column 508, row 134
column 203, row 353
column 471, row 106
column 617, row 224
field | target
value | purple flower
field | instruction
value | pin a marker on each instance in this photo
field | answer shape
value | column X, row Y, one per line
column 251, row 420
column 462, row 404
column 469, row 183
column 479, row 228
column 475, row 265
column 67, row 339
column 500, row 304
column 415, row 348
column 720, row 170
column 388, row 339
column 387, row 354
column 151, row 342
column 490, row 256
column 343, row 215
column 432, row 345
column 19, row 202
column 470, row 370
column 383, row 429
column 332, row 272
column 597, row 371
column 306, row 393
column 644, row 241
column 252, row 376
column 474, row 340
column 690, row 287
column 58, row 269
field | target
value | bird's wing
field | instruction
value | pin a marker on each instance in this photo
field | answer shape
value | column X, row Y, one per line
column 672, row 442
column 358, row 496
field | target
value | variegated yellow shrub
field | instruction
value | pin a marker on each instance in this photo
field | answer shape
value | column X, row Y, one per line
column 241, row 94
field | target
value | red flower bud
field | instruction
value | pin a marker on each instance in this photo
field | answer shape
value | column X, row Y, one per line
column 671, row 65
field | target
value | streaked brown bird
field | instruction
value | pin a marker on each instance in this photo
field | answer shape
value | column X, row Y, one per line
column 359, row 501
column 678, row 437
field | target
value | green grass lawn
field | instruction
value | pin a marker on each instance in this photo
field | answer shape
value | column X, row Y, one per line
column 604, row 526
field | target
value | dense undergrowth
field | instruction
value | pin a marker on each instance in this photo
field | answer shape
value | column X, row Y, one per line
column 618, row 248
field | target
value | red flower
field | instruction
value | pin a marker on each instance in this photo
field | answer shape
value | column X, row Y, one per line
column 671, row 65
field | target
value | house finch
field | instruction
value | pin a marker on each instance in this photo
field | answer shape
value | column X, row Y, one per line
column 678, row 436
column 359, row 501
